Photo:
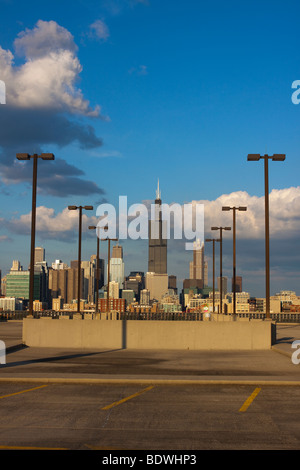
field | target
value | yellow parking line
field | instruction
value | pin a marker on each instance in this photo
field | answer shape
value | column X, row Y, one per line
column 31, row 448
column 116, row 403
column 23, row 391
column 250, row 399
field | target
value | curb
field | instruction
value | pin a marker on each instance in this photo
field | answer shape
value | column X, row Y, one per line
column 284, row 353
column 137, row 381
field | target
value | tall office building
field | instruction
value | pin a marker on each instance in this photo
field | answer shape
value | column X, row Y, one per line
column 72, row 285
column 172, row 284
column 57, row 284
column 238, row 284
column 17, row 283
column 157, row 257
column 224, row 285
column 116, row 266
column 197, row 266
column 39, row 254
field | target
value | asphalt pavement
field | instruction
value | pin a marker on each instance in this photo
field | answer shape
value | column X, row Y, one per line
column 65, row 365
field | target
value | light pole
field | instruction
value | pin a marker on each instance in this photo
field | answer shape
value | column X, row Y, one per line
column 213, row 240
column 266, row 158
column 93, row 227
column 74, row 208
column 108, row 269
column 35, row 157
column 221, row 254
column 234, row 209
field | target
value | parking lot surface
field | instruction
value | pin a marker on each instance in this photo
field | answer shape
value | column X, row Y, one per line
column 149, row 400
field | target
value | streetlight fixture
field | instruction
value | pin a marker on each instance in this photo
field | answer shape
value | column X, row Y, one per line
column 93, row 227
column 74, row 208
column 35, row 157
column 277, row 157
column 213, row 240
column 234, row 209
column 221, row 274
column 108, row 267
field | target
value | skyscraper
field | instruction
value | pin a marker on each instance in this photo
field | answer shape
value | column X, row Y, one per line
column 157, row 257
column 39, row 254
column 116, row 269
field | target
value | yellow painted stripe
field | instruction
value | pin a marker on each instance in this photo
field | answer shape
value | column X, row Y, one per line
column 116, row 403
column 23, row 391
column 30, row 448
column 250, row 399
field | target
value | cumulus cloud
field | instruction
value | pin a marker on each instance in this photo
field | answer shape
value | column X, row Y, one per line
column 140, row 70
column 49, row 225
column 284, row 215
column 284, row 207
column 116, row 7
column 45, row 108
column 99, row 30
column 45, row 38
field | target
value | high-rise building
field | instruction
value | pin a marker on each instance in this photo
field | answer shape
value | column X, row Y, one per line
column 157, row 285
column 58, row 281
column 114, row 291
column 39, row 254
column 172, row 284
column 145, row 297
column 128, row 295
column 116, row 266
column 88, row 277
column 136, row 282
column 117, row 251
column 17, row 283
column 157, row 256
column 238, row 284
column 205, row 273
column 224, row 285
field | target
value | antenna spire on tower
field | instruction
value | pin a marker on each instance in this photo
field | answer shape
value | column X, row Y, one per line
column 158, row 194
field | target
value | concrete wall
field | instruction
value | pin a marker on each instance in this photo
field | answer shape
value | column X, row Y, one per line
column 135, row 334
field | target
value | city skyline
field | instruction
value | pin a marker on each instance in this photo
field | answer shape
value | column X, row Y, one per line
column 138, row 101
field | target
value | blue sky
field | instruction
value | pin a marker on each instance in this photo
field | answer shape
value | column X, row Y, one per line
column 186, row 90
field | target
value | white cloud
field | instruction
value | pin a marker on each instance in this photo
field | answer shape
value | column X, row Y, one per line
column 284, row 208
column 45, row 38
column 50, row 72
column 49, row 224
column 284, row 216
column 140, row 70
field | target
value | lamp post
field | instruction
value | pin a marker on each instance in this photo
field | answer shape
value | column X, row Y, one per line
column 213, row 240
column 234, row 209
column 74, row 208
column 266, row 158
column 35, row 157
column 108, row 269
column 92, row 227
column 221, row 254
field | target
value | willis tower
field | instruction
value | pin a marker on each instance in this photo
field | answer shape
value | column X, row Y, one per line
column 157, row 260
